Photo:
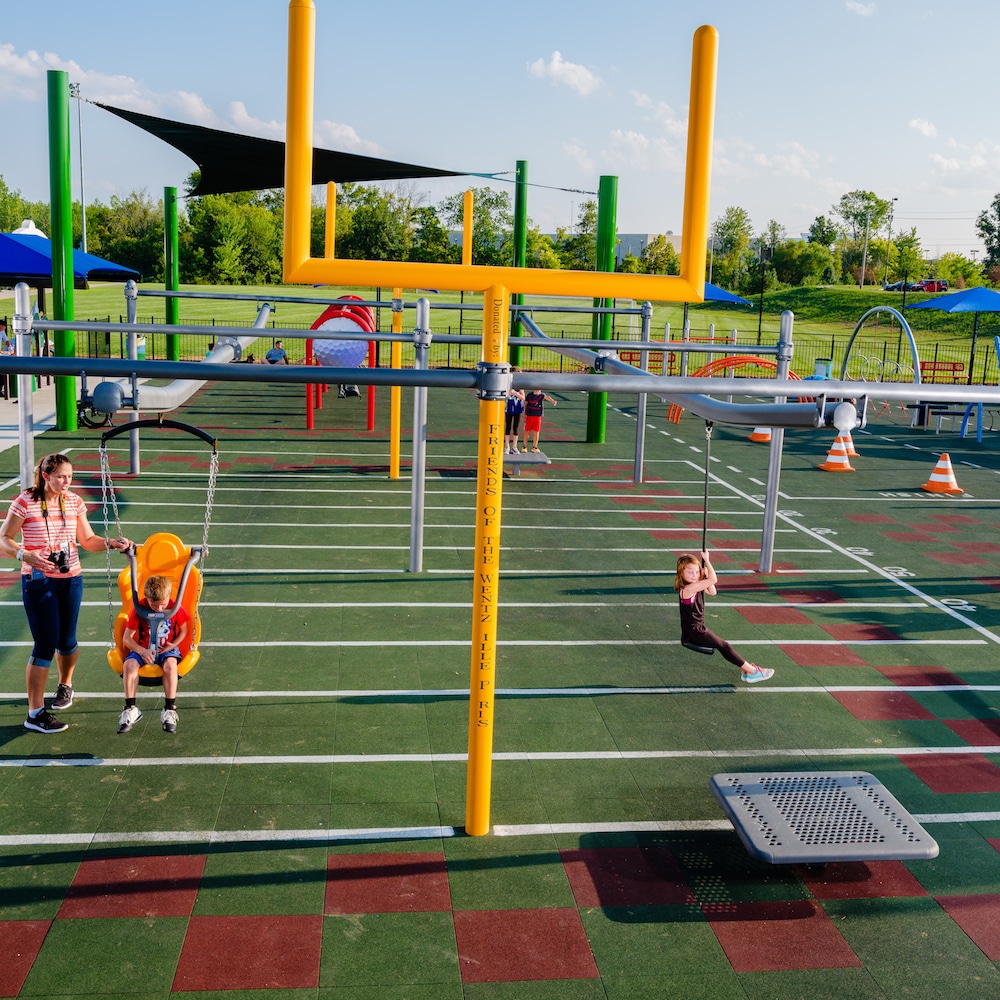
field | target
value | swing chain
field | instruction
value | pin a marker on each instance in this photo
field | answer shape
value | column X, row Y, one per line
column 213, row 476
column 108, row 494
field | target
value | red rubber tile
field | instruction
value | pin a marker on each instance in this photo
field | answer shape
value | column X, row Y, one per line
column 736, row 543
column 774, row 616
column 20, row 941
column 634, row 501
column 860, row 880
column 836, row 655
column 976, row 732
column 912, row 537
column 977, row 916
column 860, row 632
column 625, row 876
column 685, row 535
column 811, row 597
column 986, row 548
column 956, row 558
column 908, row 675
column 386, row 883
column 954, row 773
column 956, row 519
column 250, row 953
column 651, row 515
column 779, row 936
column 871, row 519
column 503, row 946
column 882, row 705
column 134, row 887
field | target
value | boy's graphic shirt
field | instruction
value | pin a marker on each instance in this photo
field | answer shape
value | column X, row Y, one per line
column 167, row 630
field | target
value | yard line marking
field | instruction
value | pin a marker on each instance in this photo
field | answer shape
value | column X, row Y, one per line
column 652, row 826
column 511, row 755
column 228, row 836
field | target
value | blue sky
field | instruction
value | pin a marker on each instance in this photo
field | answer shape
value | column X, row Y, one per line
column 816, row 98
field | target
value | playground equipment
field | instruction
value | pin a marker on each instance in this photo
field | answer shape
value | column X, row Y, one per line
column 162, row 554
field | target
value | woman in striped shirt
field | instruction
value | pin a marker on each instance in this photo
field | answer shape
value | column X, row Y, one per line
column 53, row 525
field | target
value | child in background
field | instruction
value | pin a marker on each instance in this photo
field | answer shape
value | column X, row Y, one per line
column 512, row 418
column 694, row 579
column 534, row 407
column 158, row 642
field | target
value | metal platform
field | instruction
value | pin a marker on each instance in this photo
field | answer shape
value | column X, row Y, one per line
column 525, row 458
column 814, row 817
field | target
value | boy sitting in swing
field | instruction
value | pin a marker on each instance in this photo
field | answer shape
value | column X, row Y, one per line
column 154, row 641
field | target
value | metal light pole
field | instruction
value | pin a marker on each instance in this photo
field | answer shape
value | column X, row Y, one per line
column 888, row 249
column 864, row 255
column 74, row 91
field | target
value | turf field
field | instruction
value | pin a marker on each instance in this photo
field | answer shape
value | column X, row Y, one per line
column 302, row 832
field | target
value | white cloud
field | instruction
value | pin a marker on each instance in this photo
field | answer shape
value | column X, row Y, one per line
column 946, row 166
column 573, row 75
column 924, row 127
column 661, row 114
column 861, row 9
column 577, row 152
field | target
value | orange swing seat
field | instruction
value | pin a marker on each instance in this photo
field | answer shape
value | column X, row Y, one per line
column 162, row 554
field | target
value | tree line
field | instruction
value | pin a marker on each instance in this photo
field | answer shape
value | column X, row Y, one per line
column 237, row 238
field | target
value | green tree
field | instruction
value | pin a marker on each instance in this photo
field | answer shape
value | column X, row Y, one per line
column 492, row 224
column 128, row 231
column 540, row 250
column 430, row 242
column 988, row 227
column 823, row 232
column 379, row 226
column 802, row 263
column 732, row 234
column 578, row 249
column 907, row 260
column 660, row 257
column 959, row 271
column 862, row 211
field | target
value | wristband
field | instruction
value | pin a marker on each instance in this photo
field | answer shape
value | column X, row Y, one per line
column 20, row 555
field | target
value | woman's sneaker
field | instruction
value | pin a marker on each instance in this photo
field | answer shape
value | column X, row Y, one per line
column 169, row 719
column 757, row 675
column 129, row 717
column 63, row 698
column 45, row 722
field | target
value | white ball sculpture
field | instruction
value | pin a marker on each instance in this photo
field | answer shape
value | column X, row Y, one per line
column 351, row 319
column 845, row 417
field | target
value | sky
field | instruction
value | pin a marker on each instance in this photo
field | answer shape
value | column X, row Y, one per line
column 815, row 98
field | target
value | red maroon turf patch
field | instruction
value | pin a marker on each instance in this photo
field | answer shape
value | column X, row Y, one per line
column 912, row 537
column 976, row 732
column 910, row 675
column 811, row 597
column 250, row 953
column 954, row 774
column 779, row 936
column 956, row 558
column 833, row 655
column 860, row 880
column 871, row 518
column 504, row 946
column 860, row 632
column 134, row 887
column 20, row 941
column 625, row 876
column 773, row 615
column 882, row 705
column 977, row 916
column 386, row 883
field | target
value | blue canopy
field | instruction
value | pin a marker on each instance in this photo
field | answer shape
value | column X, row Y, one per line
column 979, row 299
column 715, row 294
column 28, row 258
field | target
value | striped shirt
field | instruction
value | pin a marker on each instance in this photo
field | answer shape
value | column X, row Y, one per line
column 47, row 534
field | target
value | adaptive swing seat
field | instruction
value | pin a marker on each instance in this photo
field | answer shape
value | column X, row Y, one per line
column 694, row 647
column 162, row 554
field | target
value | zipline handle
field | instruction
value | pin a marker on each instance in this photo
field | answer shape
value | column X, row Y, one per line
column 176, row 425
column 708, row 454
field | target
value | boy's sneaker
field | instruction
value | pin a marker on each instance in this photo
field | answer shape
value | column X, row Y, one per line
column 169, row 719
column 758, row 674
column 63, row 698
column 45, row 722
column 129, row 717
column 535, row 450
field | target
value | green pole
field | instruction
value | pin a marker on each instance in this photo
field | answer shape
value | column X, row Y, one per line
column 520, row 247
column 61, row 234
column 171, row 268
column 607, row 232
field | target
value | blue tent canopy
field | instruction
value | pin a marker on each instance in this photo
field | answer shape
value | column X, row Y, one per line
column 713, row 293
column 28, row 258
column 973, row 300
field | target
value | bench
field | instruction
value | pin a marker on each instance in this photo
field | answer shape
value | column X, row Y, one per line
column 942, row 371
column 525, row 458
column 815, row 817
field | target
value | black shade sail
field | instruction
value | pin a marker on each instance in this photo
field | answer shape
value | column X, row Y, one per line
column 232, row 162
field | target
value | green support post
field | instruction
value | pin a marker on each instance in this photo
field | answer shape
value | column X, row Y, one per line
column 520, row 248
column 61, row 233
column 171, row 269
column 607, row 233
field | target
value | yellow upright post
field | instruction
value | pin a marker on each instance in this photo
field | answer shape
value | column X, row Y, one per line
column 486, row 572
column 395, row 391
column 467, row 206
column 299, row 133
column 330, row 234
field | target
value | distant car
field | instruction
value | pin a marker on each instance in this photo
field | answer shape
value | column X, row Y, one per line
column 933, row 285
column 896, row 286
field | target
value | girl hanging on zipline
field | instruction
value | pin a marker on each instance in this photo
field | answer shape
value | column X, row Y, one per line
column 694, row 579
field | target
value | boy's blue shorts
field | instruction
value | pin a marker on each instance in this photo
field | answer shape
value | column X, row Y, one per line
column 159, row 658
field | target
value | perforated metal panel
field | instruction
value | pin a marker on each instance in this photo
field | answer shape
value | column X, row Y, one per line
column 818, row 816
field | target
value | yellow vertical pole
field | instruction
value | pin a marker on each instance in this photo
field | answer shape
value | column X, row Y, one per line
column 467, row 206
column 299, row 132
column 330, row 234
column 486, row 573
column 395, row 391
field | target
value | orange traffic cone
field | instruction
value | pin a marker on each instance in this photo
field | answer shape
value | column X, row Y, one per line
column 762, row 434
column 837, row 460
column 849, row 445
column 942, row 478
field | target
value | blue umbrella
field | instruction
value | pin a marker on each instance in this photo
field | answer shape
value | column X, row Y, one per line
column 973, row 300
column 28, row 258
column 715, row 294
